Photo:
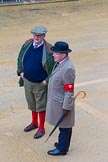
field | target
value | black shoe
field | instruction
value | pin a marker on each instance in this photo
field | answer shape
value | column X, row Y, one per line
column 56, row 152
column 55, row 144
column 30, row 127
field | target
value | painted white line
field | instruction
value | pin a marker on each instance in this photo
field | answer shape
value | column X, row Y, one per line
column 91, row 110
column 91, row 82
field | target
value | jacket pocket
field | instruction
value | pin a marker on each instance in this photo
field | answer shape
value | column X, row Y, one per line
column 58, row 99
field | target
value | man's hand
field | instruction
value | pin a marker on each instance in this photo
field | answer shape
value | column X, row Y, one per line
column 44, row 82
column 65, row 112
column 22, row 75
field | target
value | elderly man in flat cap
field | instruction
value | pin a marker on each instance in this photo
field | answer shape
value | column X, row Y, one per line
column 61, row 97
column 34, row 65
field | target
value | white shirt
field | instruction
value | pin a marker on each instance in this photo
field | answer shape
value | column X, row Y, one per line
column 37, row 46
column 63, row 60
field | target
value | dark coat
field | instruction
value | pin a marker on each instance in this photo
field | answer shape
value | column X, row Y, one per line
column 47, row 59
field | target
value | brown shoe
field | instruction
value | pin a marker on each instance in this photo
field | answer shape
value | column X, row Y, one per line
column 30, row 127
column 39, row 134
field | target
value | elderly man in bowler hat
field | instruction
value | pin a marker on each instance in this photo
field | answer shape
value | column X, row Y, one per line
column 34, row 65
column 61, row 97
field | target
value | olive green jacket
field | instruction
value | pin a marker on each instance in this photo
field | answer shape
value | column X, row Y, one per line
column 47, row 59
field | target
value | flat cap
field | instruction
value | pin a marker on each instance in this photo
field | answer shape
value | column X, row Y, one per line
column 38, row 30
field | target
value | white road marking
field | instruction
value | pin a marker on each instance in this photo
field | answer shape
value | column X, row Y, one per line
column 91, row 110
column 91, row 82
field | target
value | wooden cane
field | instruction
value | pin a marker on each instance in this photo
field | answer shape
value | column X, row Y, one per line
column 78, row 93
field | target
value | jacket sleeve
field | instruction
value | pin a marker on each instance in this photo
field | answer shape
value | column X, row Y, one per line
column 68, row 79
column 24, row 47
column 19, row 60
column 49, row 66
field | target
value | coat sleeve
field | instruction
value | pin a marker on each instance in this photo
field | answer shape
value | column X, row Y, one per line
column 23, row 49
column 19, row 60
column 49, row 66
column 68, row 80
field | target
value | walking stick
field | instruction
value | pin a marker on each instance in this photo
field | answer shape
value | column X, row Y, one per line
column 84, row 94
column 62, row 117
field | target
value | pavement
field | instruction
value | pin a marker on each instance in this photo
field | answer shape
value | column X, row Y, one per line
column 87, row 33
column 90, row 134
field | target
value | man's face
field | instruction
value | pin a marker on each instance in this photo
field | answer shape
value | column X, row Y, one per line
column 38, row 38
column 58, row 56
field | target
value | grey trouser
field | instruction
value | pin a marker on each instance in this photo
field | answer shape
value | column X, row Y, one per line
column 36, row 95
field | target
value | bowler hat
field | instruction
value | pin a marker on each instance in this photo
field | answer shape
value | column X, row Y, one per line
column 38, row 30
column 61, row 47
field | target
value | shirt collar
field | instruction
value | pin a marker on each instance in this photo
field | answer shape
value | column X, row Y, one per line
column 63, row 60
column 37, row 46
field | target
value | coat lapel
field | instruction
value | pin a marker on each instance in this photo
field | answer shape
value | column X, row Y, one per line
column 59, row 67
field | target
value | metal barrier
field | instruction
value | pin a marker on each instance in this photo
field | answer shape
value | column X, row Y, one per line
column 22, row 1
column 12, row 1
column 15, row 2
